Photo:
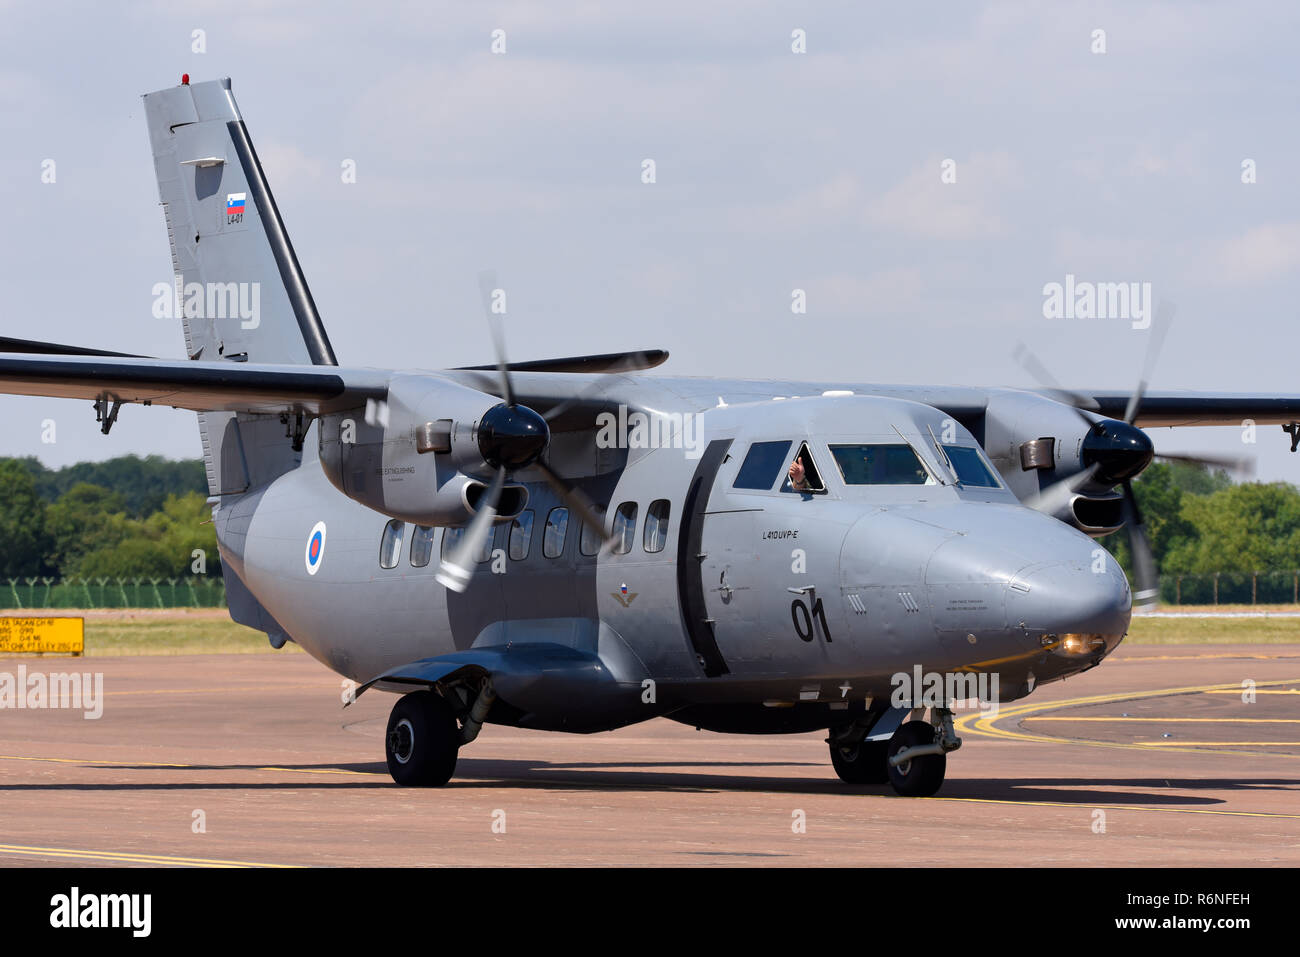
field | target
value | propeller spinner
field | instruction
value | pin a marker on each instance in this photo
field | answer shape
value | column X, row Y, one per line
column 1119, row 450
column 512, row 436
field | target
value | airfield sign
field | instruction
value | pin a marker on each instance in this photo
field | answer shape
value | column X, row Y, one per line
column 42, row 636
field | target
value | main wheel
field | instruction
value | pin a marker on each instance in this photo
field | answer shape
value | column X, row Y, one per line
column 422, row 740
column 921, row 776
column 863, row 763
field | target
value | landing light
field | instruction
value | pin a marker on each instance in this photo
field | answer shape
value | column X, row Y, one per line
column 1078, row 644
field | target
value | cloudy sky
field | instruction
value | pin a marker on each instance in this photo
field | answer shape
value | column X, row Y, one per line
column 775, row 171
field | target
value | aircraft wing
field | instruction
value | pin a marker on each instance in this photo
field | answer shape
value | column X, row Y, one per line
column 202, row 386
column 1200, row 408
column 525, row 662
column 530, row 679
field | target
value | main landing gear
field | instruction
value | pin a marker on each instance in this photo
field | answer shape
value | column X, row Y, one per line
column 424, row 736
column 914, row 758
column 423, row 740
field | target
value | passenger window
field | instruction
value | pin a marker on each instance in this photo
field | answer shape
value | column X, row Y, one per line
column 521, row 535
column 422, row 545
column 812, row 479
column 390, row 547
column 485, row 550
column 762, row 465
column 450, row 539
column 656, row 525
column 591, row 537
column 624, row 528
column 454, row 536
column 557, row 524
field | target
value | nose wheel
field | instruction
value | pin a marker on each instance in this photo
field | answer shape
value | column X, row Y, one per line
column 913, row 767
column 423, row 740
column 914, row 758
column 861, row 763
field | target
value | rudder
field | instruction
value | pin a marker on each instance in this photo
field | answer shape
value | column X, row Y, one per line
column 238, row 288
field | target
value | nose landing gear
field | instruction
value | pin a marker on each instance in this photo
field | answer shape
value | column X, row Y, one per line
column 862, row 763
column 911, row 772
column 914, row 759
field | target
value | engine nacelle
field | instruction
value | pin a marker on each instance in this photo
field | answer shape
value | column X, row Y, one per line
column 417, row 457
column 1037, row 442
column 1033, row 440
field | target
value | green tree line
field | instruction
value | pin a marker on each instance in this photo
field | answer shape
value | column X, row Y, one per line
column 1200, row 522
column 126, row 517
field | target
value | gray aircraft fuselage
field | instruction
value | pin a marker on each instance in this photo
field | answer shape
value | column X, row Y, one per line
column 944, row 577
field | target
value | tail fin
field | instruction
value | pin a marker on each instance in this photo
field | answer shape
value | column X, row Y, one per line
column 225, row 229
column 239, row 290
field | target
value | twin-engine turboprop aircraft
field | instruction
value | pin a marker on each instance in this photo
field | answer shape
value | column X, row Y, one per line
column 572, row 546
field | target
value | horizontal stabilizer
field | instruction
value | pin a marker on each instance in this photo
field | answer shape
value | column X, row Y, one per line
column 34, row 348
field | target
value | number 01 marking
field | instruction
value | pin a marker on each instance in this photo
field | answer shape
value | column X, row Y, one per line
column 803, row 619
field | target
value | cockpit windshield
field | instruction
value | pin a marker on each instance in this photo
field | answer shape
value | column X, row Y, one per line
column 880, row 465
column 970, row 467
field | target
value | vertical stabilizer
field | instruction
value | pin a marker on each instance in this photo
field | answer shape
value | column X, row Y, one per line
column 238, row 289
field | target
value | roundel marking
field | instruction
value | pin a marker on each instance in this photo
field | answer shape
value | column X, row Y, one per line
column 315, row 548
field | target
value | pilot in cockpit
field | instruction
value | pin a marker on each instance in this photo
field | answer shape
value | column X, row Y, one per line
column 803, row 474
column 798, row 476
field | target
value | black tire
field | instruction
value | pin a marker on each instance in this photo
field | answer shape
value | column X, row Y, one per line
column 919, row 777
column 863, row 763
column 423, row 740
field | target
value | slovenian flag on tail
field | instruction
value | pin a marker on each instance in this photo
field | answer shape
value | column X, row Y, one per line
column 235, row 203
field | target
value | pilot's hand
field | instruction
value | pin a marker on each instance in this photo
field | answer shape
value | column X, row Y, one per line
column 796, row 474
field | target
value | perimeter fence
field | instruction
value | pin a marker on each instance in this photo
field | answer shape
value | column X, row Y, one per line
column 193, row 592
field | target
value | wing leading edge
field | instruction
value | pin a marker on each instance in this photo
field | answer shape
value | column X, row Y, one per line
column 1201, row 408
column 201, row 386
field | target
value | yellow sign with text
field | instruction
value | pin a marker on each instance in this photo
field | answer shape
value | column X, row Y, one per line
column 42, row 636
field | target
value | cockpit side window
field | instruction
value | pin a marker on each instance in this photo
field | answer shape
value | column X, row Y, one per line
column 971, row 467
column 762, row 465
column 803, row 475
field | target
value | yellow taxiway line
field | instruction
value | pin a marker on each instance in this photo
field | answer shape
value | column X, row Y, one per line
column 267, row 687
column 124, row 857
column 1158, row 718
column 1240, row 690
column 986, row 724
column 160, row 764
column 1117, row 807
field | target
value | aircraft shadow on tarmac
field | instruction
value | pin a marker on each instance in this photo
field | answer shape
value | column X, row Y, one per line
column 652, row 775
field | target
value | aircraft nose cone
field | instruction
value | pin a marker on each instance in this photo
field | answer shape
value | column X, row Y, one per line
column 1027, row 577
column 1084, row 604
column 1119, row 450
